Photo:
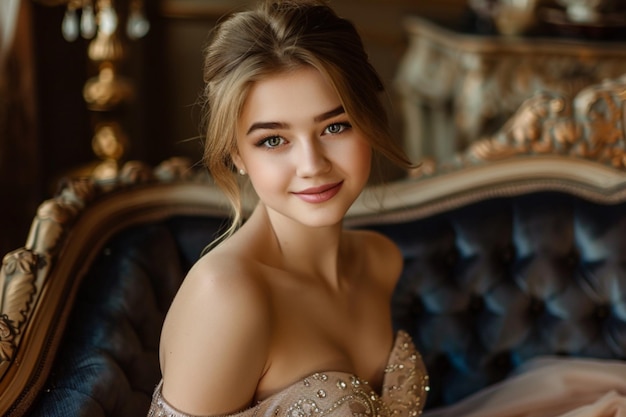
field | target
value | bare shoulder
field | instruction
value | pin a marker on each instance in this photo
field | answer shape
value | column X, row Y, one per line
column 382, row 255
column 215, row 339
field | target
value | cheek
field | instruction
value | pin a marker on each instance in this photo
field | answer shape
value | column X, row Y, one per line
column 267, row 175
column 362, row 158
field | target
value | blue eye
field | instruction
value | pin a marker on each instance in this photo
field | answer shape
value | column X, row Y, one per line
column 271, row 142
column 337, row 128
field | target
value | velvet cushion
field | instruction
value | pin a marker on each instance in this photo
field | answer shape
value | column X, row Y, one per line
column 108, row 361
column 488, row 286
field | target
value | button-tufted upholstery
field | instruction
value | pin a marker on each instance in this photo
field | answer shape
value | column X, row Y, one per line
column 493, row 284
column 485, row 287
column 108, row 361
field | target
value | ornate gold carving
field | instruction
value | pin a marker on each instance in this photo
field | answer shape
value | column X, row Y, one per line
column 106, row 47
column 77, row 192
column 590, row 126
column 107, row 90
column 49, row 226
column 24, row 271
column 7, row 334
column 175, row 169
column 110, row 141
column 17, row 291
column 136, row 172
column 459, row 88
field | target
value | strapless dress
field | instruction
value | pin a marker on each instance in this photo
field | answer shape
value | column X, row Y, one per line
column 333, row 393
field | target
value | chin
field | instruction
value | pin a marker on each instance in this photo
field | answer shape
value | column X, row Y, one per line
column 316, row 217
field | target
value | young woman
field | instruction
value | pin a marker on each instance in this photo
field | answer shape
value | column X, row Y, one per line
column 289, row 313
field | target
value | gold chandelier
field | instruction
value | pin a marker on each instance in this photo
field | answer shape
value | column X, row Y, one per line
column 99, row 22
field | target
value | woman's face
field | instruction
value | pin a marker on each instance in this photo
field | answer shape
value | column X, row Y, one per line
column 305, row 160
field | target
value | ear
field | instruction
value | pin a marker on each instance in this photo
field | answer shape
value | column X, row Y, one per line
column 237, row 161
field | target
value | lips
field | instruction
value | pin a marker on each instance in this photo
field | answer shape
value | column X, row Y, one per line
column 319, row 194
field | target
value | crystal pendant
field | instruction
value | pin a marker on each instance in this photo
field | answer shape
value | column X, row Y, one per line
column 137, row 26
column 88, row 22
column 108, row 21
column 69, row 26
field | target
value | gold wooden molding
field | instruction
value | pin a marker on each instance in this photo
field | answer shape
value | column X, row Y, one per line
column 39, row 281
column 574, row 145
column 458, row 87
column 591, row 126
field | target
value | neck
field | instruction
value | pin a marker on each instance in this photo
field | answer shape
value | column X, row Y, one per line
column 304, row 250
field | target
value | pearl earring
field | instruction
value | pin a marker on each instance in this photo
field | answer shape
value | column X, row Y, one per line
column 242, row 172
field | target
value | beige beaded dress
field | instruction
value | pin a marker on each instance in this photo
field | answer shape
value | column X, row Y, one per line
column 339, row 394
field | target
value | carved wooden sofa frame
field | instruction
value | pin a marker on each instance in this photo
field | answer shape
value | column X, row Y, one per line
column 513, row 250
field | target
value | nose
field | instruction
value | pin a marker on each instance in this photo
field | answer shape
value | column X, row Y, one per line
column 312, row 159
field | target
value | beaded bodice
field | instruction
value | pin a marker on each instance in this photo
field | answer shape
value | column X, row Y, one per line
column 341, row 394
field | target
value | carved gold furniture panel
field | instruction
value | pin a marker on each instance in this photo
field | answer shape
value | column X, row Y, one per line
column 457, row 88
column 38, row 282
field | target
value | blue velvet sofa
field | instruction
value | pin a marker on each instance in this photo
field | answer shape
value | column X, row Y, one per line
column 514, row 250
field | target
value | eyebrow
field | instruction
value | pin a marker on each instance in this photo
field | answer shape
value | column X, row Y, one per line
column 280, row 125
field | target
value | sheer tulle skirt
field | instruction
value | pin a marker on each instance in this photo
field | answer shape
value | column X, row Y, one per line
column 550, row 387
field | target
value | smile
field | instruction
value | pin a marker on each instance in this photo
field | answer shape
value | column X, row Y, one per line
column 319, row 194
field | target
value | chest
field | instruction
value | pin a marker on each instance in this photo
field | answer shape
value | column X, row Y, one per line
column 316, row 330
column 357, row 311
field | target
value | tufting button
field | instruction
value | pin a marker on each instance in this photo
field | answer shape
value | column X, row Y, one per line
column 602, row 311
column 536, row 306
column 506, row 255
column 476, row 304
column 572, row 258
column 451, row 258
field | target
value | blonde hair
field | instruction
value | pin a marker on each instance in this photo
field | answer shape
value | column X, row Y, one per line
column 277, row 36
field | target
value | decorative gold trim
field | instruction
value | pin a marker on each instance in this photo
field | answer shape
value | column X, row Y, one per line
column 16, row 295
column 38, row 281
column 456, row 87
column 552, row 143
column 455, row 186
column 591, row 126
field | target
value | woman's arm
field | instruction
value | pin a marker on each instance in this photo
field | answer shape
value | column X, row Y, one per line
column 215, row 339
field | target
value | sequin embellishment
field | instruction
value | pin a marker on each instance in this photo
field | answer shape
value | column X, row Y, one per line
column 338, row 394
